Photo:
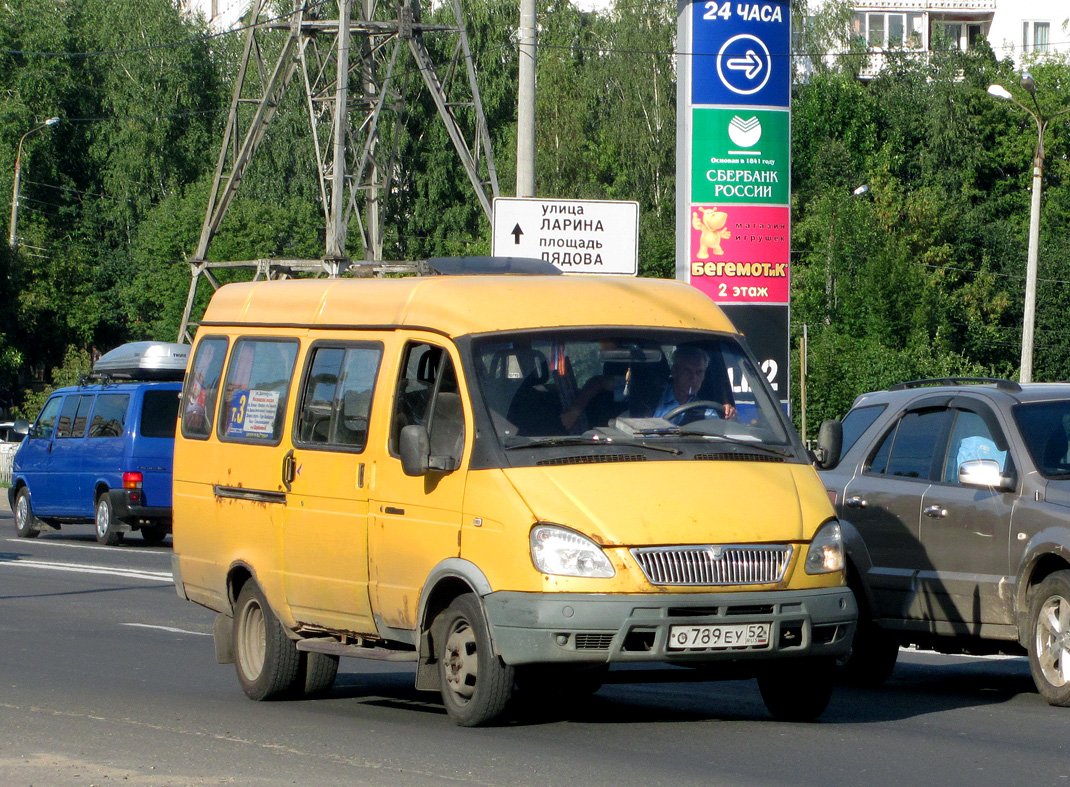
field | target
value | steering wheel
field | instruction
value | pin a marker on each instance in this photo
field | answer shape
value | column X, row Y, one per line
column 705, row 404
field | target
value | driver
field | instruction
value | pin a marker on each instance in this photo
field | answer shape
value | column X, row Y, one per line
column 686, row 375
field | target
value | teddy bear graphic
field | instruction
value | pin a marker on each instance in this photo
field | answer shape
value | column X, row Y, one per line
column 710, row 222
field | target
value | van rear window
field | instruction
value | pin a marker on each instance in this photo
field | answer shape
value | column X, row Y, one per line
column 159, row 413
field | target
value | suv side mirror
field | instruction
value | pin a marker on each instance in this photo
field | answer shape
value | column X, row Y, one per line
column 829, row 445
column 414, row 445
column 985, row 473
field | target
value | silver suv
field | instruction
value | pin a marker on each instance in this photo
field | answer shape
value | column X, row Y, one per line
column 954, row 499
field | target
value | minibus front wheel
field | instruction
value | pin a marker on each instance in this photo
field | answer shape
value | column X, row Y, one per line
column 266, row 659
column 476, row 685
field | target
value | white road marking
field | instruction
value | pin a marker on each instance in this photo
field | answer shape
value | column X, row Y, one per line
column 52, row 543
column 169, row 628
column 82, row 568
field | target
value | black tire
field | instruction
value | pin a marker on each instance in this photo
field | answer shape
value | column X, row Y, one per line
column 798, row 690
column 316, row 674
column 476, row 685
column 26, row 524
column 266, row 660
column 556, row 682
column 107, row 529
column 873, row 652
column 1049, row 644
column 153, row 534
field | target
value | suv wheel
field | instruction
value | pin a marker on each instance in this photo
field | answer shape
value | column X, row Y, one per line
column 26, row 524
column 107, row 528
column 1049, row 638
column 873, row 652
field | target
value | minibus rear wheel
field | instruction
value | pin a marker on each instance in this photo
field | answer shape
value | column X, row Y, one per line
column 476, row 685
column 266, row 660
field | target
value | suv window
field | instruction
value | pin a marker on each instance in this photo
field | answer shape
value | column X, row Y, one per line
column 858, row 421
column 1044, row 427
column 337, row 396
column 109, row 415
column 159, row 411
column 908, row 449
column 971, row 438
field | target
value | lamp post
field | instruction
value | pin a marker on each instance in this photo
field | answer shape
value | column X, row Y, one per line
column 1029, row 313
column 13, row 237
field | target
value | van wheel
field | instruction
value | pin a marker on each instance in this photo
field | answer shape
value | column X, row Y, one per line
column 476, row 685
column 153, row 534
column 26, row 524
column 1049, row 638
column 107, row 528
column 798, row 690
column 266, row 660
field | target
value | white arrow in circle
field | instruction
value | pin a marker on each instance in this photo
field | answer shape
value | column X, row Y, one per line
column 751, row 65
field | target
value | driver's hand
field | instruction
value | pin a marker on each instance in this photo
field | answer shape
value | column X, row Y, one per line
column 729, row 411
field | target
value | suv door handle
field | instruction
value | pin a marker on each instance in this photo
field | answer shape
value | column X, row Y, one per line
column 855, row 502
column 936, row 512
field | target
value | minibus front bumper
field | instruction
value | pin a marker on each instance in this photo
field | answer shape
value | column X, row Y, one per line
column 530, row 628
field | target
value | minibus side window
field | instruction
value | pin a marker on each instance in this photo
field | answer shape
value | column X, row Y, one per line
column 337, row 396
column 109, row 415
column 202, row 388
column 416, row 401
column 256, row 390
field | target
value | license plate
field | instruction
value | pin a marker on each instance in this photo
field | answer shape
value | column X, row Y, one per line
column 745, row 635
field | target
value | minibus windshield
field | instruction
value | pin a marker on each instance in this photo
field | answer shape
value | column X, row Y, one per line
column 615, row 385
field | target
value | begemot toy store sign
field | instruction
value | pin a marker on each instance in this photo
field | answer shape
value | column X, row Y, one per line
column 734, row 164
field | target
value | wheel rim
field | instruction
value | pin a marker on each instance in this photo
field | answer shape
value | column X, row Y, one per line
column 103, row 517
column 252, row 641
column 461, row 658
column 1053, row 641
column 22, row 513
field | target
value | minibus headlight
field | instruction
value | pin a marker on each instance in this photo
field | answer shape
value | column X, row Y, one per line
column 557, row 550
column 826, row 550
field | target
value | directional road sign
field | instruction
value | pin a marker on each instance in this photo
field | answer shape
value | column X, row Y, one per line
column 578, row 236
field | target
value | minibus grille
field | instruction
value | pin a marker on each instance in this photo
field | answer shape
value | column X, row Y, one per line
column 713, row 565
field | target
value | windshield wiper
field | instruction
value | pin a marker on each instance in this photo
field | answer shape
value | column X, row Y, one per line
column 743, row 443
column 547, row 442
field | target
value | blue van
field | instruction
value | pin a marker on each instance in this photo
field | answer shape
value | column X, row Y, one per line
column 101, row 452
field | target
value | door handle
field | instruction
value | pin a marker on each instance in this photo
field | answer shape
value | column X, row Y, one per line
column 936, row 512
column 289, row 465
column 855, row 502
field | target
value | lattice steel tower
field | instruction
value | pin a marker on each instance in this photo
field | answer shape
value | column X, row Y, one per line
column 348, row 67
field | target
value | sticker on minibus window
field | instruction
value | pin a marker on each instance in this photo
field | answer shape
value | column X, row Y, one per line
column 253, row 413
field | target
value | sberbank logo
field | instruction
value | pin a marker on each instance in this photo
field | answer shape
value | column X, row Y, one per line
column 745, row 133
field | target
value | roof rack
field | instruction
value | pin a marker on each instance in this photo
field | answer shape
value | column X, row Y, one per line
column 1004, row 385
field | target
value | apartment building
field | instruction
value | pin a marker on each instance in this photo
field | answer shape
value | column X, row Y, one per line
column 1016, row 29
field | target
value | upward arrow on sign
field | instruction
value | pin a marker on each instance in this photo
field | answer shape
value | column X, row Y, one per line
column 516, row 233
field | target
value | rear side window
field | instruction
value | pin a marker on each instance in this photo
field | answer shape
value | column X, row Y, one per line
column 109, row 415
column 46, row 421
column 908, row 450
column 202, row 387
column 337, row 396
column 256, row 389
column 159, row 411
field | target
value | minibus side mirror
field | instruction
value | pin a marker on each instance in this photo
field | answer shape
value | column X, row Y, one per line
column 829, row 445
column 414, row 445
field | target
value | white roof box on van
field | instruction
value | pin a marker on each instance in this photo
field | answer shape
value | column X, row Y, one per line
column 145, row 361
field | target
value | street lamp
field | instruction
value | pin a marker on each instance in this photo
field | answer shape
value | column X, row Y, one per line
column 13, row 238
column 1029, row 315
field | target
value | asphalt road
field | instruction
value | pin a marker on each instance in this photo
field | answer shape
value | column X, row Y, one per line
column 107, row 677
